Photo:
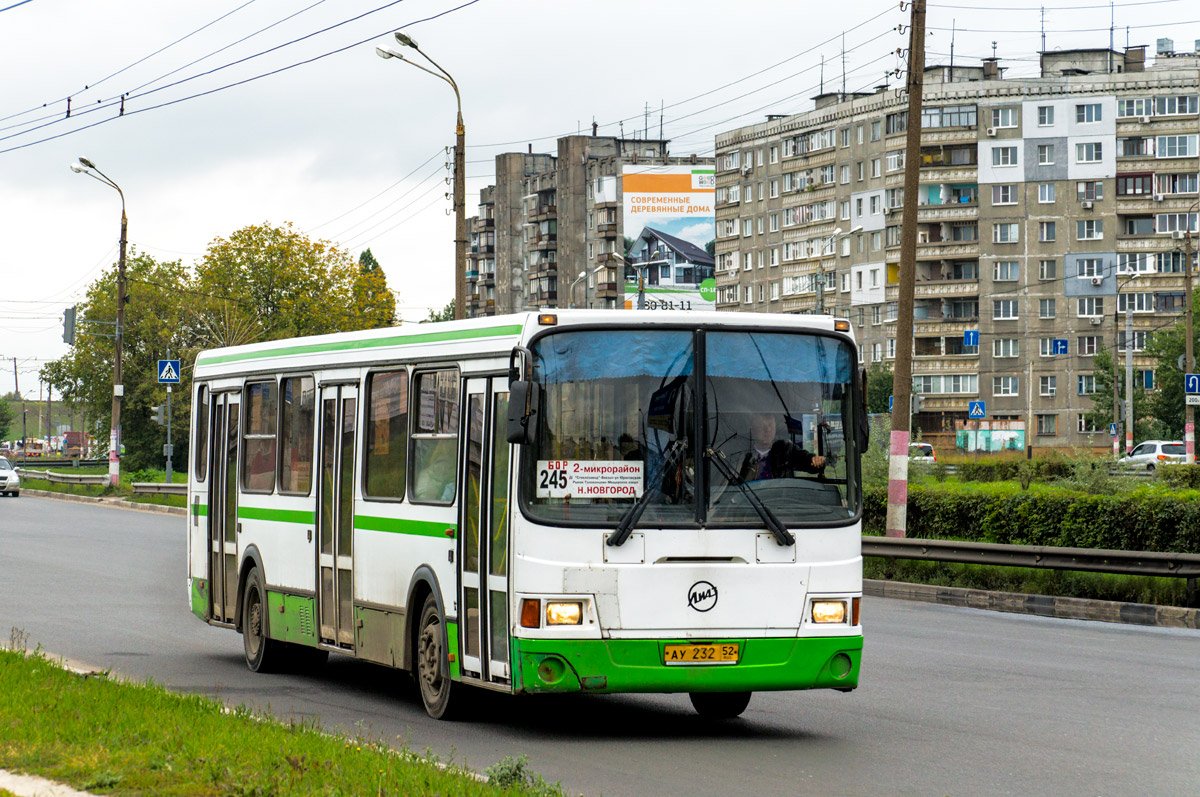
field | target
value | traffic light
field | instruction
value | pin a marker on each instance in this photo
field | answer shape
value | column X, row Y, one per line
column 69, row 326
column 160, row 414
column 917, row 403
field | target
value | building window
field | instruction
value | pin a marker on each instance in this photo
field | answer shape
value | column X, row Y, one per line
column 1045, row 193
column 1045, row 308
column 1046, row 347
column 1006, row 347
column 1088, row 345
column 875, row 163
column 775, row 154
column 1045, row 115
column 774, row 189
column 876, row 352
column 1004, row 117
column 1087, row 113
column 1006, row 233
column 876, row 317
column 1139, row 302
column 1047, row 424
column 1135, row 262
column 1047, row 385
column 774, row 291
column 1086, row 384
column 875, row 204
column 1183, row 146
column 1004, row 309
column 1047, row 269
column 1046, row 231
column 1176, row 105
column 877, row 130
column 1083, row 425
column 1140, row 106
column 1005, row 270
column 1171, row 222
column 747, row 227
column 1175, row 184
column 1135, row 185
column 1004, row 156
column 1089, row 191
column 895, row 160
column 1088, row 152
column 1089, row 230
column 1045, row 153
column 1004, row 195
column 1006, row 386
column 891, row 349
column 1090, row 306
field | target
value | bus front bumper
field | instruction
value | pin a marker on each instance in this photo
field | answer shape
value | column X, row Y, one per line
column 636, row 665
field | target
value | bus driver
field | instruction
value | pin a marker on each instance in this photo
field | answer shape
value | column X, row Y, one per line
column 771, row 458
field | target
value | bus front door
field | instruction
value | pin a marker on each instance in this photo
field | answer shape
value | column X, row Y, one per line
column 222, row 507
column 335, row 516
column 483, row 523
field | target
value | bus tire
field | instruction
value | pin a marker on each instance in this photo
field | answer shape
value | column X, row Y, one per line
column 719, row 705
column 262, row 653
column 442, row 697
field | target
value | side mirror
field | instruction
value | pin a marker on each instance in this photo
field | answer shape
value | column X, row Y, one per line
column 523, row 403
column 863, row 432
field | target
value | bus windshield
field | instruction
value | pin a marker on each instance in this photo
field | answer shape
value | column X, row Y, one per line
column 630, row 412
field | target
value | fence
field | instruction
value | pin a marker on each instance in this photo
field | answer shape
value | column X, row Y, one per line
column 101, row 479
column 1093, row 560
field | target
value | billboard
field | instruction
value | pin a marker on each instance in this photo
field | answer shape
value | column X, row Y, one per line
column 670, row 227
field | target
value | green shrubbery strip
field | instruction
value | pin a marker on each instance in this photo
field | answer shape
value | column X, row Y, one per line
column 130, row 738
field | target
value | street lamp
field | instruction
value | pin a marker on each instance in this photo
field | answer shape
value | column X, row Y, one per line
column 820, row 278
column 582, row 276
column 85, row 166
column 460, row 218
column 655, row 260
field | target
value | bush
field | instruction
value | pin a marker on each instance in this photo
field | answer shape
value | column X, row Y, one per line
column 1182, row 477
column 1150, row 518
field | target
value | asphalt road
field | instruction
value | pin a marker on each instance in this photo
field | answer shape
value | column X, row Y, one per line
column 952, row 701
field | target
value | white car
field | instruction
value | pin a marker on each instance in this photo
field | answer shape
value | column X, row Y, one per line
column 1150, row 454
column 921, row 452
column 10, row 482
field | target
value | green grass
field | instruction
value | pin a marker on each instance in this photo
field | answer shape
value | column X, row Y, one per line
column 114, row 737
column 1031, row 581
column 124, row 488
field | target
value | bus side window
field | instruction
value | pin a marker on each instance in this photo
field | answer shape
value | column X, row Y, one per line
column 297, row 424
column 259, row 413
column 386, row 446
column 435, row 436
column 201, row 448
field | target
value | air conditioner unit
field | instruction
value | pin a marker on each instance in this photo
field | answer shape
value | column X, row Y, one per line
column 1178, row 235
column 1097, row 280
column 1145, row 120
column 747, row 169
column 1086, row 204
column 886, row 210
column 1158, row 197
column 991, row 131
column 1094, row 320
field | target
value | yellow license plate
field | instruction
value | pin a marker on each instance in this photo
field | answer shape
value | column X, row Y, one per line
column 724, row 653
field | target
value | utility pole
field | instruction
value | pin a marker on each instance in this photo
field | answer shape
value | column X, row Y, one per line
column 114, row 435
column 1189, row 423
column 1115, row 383
column 897, row 518
column 1128, row 373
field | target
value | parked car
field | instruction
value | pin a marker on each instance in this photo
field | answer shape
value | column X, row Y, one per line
column 1150, row 454
column 921, row 452
column 10, row 482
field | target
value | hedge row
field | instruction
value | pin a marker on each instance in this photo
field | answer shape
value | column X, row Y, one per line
column 1152, row 519
column 1009, row 470
column 1183, row 477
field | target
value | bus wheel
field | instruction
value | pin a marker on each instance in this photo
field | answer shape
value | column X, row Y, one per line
column 262, row 652
column 441, row 696
column 719, row 705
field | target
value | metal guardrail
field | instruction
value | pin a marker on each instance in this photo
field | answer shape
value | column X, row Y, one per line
column 64, row 478
column 19, row 462
column 160, row 488
column 1092, row 560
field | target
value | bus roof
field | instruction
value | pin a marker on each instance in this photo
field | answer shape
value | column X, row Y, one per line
column 450, row 340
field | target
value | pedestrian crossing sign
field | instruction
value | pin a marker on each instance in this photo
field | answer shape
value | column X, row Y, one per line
column 168, row 372
column 975, row 409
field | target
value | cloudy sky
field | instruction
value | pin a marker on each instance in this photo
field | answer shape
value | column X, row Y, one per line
column 239, row 112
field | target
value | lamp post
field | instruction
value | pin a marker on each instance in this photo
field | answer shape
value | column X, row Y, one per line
column 582, row 276
column 1189, row 420
column 1128, row 367
column 460, row 217
column 85, row 166
column 820, row 278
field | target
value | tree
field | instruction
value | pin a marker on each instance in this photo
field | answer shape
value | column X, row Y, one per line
column 371, row 293
column 1101, row 414
column 6, row 419
column 879, row 387
column 711, row 248
column 445, row 314
column 628, row 243
column 367, row 261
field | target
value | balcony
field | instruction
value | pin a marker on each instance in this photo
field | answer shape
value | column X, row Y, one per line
column 545, row 297
column 934, row 289
column 958, row 173
column 945, row 250
column 1148, row 204
column 948, row 211
column 546, row 242
column 543, row 213
column 472, row 274
column 487, row 278
column 944, row 326
column 607, row 229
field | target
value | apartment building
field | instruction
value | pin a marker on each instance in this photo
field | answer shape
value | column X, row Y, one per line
column 550, row 231
column 1046, row 206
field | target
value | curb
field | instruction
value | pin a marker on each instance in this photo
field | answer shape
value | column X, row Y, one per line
column 115, row 503
column 1040, row 605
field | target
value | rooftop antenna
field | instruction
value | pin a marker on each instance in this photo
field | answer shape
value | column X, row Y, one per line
column 953, row 25
column 1112, row 21
column 661, row 108
column 822, row 74
column 843, row 65
column 646, row 122
column 1043, row 29
column 622, row 124
column 993, row 51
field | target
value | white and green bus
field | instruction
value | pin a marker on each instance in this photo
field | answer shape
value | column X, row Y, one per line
column 580, row 501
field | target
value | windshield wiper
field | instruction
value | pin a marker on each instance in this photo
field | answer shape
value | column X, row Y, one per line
column 782, row 535
column 634, row 513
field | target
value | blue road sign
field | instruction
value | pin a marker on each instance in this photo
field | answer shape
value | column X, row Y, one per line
column 1191, row 383
column 1060, row 346
column 970, row 337
column 890, row 403
column 975, row 408
column 168, row 372
column 1112, row 430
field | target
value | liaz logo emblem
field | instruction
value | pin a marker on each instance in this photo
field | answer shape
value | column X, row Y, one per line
column 702, row 596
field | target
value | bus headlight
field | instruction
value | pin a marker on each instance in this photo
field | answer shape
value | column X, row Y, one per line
column 829, row 611
column 564, row 613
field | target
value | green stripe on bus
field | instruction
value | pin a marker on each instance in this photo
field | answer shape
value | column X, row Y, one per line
column 373, row 343
column 200, row 509
column 420, row 528
column 279, row 515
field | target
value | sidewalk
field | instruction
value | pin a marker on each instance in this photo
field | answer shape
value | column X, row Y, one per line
column 117, row 502
column 33, row 786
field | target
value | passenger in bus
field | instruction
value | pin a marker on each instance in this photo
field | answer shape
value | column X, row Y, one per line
column 435, row 470
column 772, row 458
